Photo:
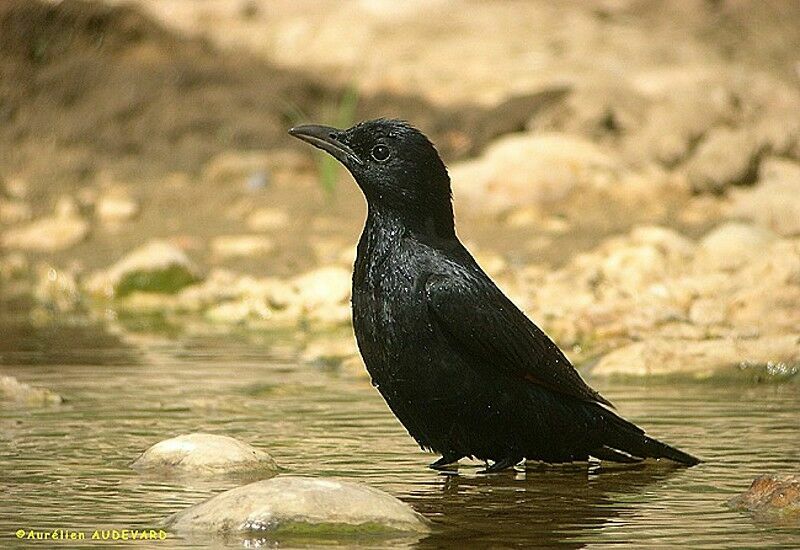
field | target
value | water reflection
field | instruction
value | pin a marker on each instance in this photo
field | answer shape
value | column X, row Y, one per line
column 550, row 505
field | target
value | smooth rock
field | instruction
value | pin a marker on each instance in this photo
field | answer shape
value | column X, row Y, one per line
column 237, row 246
column 200, row 453
column 771, row 497
column 730, row 246
column 769, row 357
column 13, row 390
column 155, row 267
column 51, row 234
column 301, row 505
column 725, row 157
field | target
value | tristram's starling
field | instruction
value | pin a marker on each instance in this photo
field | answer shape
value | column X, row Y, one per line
column 465, row 371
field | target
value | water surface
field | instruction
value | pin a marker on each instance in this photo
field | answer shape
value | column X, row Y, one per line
column 68, row 466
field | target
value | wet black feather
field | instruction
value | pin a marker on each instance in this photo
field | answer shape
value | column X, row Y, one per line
column 464, row 370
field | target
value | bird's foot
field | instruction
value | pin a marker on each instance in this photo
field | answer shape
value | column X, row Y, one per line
column 444, row 462
column 500, row 465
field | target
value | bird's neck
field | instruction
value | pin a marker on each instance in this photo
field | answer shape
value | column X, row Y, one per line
column 382, row 232
column 392, row 224
column 385, row 229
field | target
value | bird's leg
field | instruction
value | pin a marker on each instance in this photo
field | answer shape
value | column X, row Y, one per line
column 446, row 460
column 500, row 465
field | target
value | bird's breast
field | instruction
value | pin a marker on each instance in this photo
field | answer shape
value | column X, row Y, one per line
column 390, row 317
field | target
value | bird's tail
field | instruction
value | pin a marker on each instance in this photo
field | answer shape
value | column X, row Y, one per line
column 621, row 435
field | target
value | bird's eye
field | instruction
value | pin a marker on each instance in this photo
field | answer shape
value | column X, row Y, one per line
column 381, row 153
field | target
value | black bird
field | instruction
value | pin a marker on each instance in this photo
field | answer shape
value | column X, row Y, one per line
column 464, row 370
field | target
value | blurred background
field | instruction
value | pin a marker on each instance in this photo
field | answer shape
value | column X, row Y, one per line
column 627, row 170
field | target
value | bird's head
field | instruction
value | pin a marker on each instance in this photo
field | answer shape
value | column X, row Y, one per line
column 395, row 165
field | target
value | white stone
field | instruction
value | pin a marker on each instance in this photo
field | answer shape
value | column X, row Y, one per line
column 201, row 453
column 286, row 502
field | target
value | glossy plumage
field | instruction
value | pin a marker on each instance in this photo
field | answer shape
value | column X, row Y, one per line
column 463, row 369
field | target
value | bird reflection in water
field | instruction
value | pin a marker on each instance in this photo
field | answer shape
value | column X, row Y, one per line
column 541, row 506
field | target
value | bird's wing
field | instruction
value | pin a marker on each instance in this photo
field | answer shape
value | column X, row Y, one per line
column 476, row 317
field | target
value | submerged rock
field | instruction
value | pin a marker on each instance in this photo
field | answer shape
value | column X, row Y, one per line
column 12, row 389
column 200, row 453
column 776, row 357
column 155, row 267
column 771, row 497
column 299, row 505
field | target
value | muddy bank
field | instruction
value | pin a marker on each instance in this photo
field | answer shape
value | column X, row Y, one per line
column 89, row 88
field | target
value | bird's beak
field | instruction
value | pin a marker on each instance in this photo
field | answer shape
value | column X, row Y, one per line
column 325, row 138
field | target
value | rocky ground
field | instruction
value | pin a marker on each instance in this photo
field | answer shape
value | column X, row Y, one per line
column 628, row 171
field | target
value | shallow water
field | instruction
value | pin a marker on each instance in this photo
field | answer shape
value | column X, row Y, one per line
column 67, row 466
